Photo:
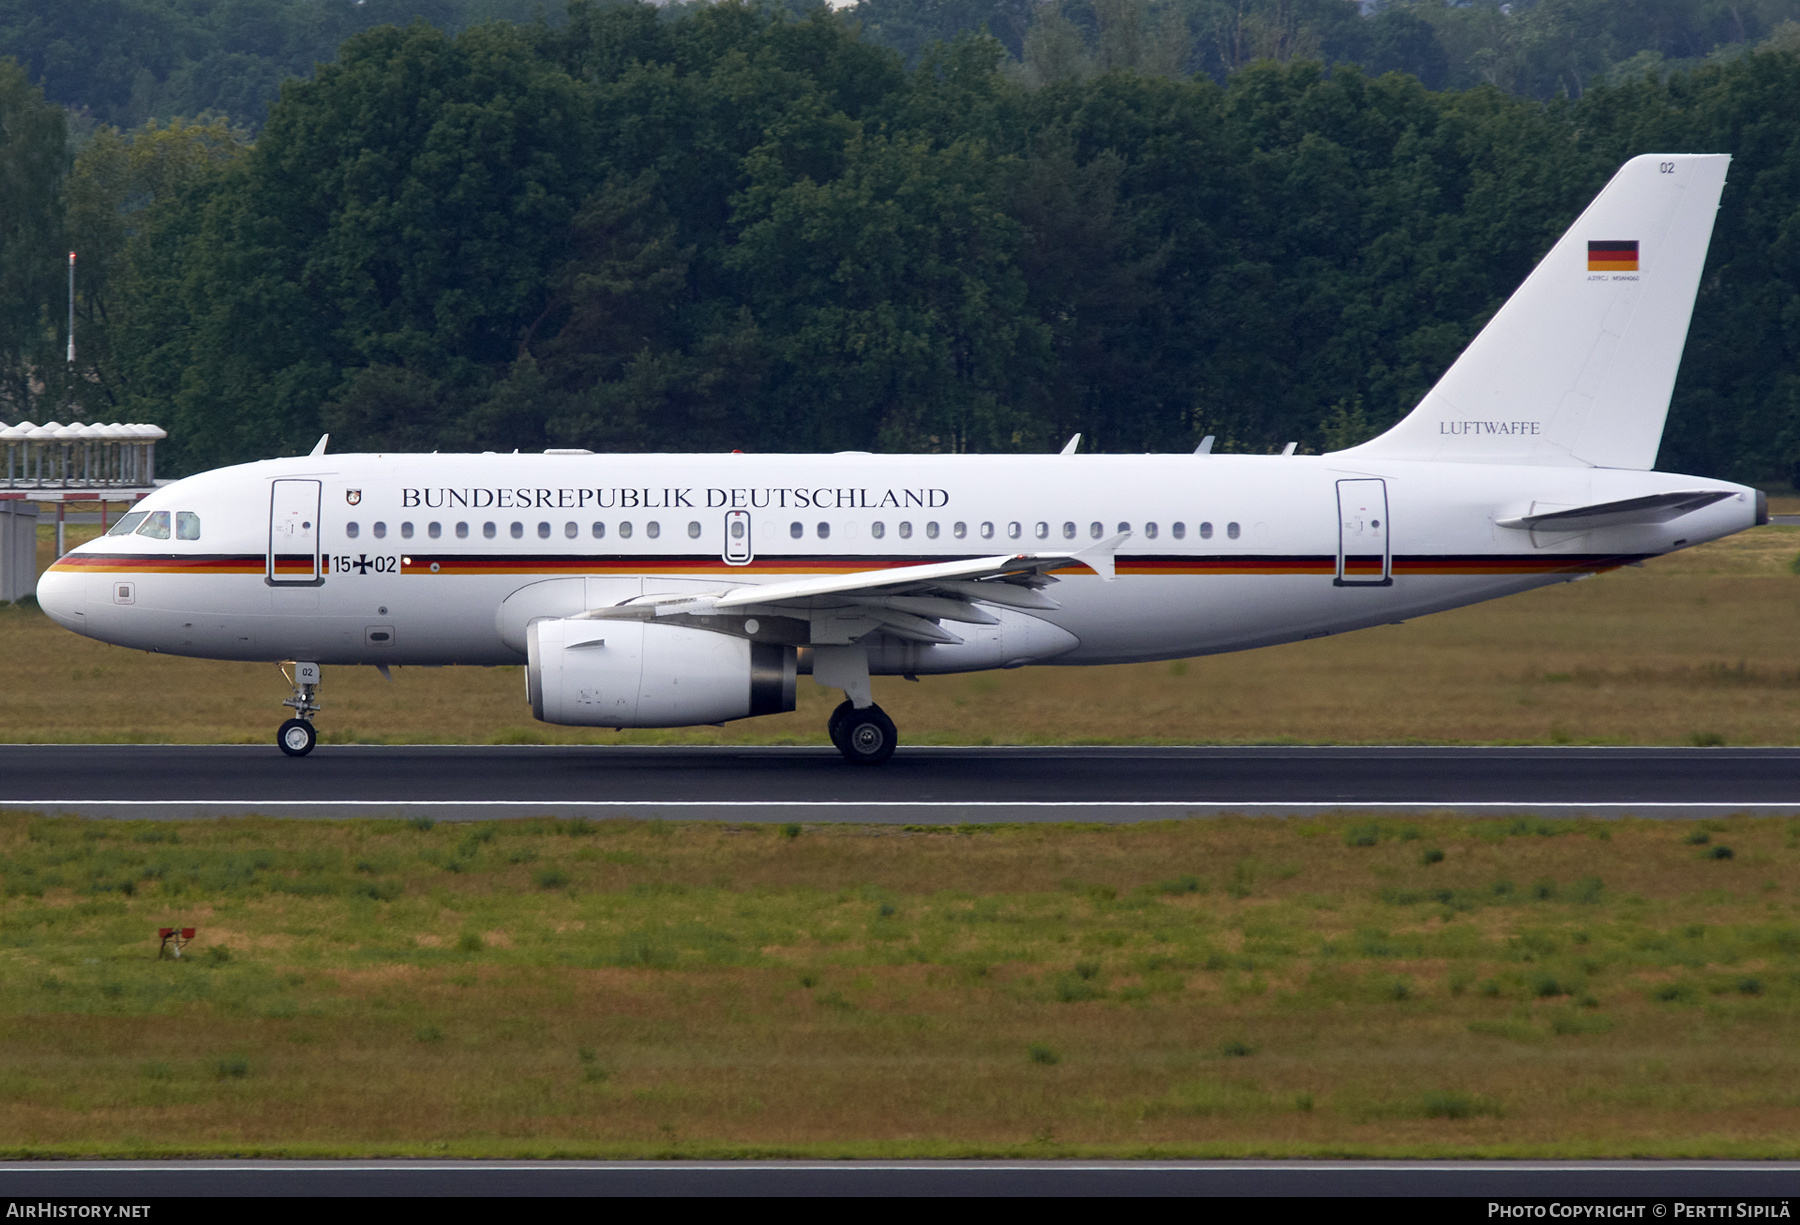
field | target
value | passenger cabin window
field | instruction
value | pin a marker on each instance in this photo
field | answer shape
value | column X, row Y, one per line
column 824, row 531
column 1178, row 530
column 653, row 529
column 352, row 530
column 878, row 529
column 517, row 530
column 1149, row 531
column 1068, row 531
column 1232, row 530
column 796, row 529
column 625, row 530
column 987, row 531
column 1206, row 531
column 380, row 530
column 571, row 529
column 960, row 530
column 488, row 529
column 905, row 529
column 462, row 531
column 434, row 530
column 694, row 529
column 1096, row 530
column 128, row 523
column 598, row 531
column 1013, row 530
column 544, row 531
column 931, row 529
column 406, row 530
column 156, row 526
column 1043, row 530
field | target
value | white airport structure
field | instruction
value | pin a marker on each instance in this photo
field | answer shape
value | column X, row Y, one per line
column 54, row 464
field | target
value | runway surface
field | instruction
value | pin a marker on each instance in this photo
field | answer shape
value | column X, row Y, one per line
column 1689, row 1181
column 925, row 785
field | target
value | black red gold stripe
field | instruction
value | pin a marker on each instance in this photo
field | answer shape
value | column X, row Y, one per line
column 526, row 565
column 165, row 563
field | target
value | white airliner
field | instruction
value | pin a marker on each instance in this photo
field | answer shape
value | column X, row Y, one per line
column 672, row 590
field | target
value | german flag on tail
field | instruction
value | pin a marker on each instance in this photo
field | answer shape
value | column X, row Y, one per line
column 1613, row 256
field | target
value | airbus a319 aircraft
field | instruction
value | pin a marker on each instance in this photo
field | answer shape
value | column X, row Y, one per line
column 673, row 590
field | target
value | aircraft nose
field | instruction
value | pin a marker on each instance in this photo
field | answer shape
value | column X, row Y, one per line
column 59, row 593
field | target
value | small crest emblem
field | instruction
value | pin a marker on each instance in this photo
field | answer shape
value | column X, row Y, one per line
column 353, row 496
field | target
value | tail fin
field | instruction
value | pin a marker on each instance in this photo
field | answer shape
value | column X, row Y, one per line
column 1577, row 367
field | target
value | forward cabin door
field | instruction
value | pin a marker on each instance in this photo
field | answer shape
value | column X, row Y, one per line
column 1364, row 559
column 294, row 534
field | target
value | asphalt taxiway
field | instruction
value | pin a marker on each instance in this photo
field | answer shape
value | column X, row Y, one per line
column 1689, row 1181
column 919, row 785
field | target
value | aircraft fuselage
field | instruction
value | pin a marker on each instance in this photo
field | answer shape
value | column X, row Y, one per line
column 410, row 558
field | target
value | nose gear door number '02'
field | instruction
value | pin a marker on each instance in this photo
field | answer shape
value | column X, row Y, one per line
column 294, row 534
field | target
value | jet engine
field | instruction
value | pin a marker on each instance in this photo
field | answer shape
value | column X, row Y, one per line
column 602, row 673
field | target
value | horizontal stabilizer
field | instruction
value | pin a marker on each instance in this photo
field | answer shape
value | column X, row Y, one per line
column 1656, row 508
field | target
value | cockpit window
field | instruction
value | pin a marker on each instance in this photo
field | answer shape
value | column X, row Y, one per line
column 127, row 524
column 187, row 525
column 156, row 525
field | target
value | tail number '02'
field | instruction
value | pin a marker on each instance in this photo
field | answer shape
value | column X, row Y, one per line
column 362, row 563
column 1666, row 167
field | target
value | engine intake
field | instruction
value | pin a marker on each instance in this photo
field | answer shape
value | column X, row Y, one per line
column 639, row 674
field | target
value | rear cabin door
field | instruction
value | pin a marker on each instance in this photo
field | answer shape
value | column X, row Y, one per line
column 294, row 534
column 1364, row 559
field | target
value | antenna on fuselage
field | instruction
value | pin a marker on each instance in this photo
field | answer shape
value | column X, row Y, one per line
column 1069, row 447
column 319, row 447
column 1205, row 447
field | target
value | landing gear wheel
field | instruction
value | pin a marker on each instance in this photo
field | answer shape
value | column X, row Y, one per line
column 834, row 726
column 867, row 736
column 296, row 738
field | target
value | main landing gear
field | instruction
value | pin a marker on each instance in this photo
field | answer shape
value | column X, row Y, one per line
column 296, row 737
column 865, row 737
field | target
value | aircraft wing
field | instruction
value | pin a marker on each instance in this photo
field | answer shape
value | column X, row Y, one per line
column 1655, row 508
column 1098, row 558
column 908, row 601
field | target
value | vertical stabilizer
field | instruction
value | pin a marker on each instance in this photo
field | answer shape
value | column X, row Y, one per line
column 1578, row 366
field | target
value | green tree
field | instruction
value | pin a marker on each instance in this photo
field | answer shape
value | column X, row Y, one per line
column 118, row 182
column 32, row 165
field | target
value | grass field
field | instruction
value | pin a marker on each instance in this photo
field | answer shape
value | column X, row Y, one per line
column 1322, row 986
column 1697, row 648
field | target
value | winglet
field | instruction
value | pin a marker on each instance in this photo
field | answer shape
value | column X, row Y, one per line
column 1099, row 557
column 319, row 447
column 1069, row 446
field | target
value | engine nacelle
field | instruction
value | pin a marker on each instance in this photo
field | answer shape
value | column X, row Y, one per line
column 589, row 673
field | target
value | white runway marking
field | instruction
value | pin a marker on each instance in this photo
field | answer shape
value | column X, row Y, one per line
column 1382, row 805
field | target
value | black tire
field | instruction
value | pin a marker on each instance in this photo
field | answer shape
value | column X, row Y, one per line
column 296, row 738
column 834, row 726
column 868, row 736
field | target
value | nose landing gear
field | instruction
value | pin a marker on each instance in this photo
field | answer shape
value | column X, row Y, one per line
column 296, row 737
